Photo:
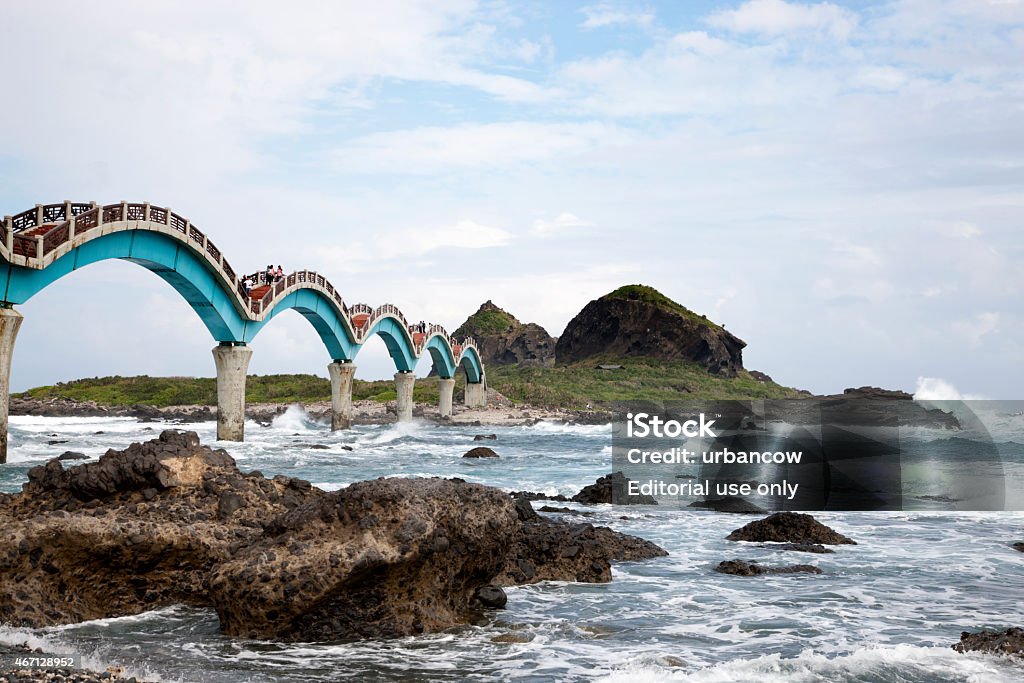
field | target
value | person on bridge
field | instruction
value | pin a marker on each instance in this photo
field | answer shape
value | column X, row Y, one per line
column 247, row 284
column 269, row 274
column 279, row 273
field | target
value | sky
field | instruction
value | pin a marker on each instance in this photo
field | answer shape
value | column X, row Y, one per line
column 840, row 184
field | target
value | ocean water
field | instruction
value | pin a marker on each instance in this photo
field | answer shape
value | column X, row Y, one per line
column 884, row 611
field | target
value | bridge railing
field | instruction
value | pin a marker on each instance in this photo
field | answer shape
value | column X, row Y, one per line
column 39, row 231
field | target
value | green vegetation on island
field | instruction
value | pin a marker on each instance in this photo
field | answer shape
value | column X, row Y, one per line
column 650, row 295
column 573, row 386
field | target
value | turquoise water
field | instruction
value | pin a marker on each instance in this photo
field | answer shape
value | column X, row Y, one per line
column 884, row 611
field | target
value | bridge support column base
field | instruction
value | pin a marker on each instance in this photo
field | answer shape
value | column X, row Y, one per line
column 446, row 389
column 10, row 322
column 341, row 394
column 232, row 364
column 404, row 383
column 476, row 395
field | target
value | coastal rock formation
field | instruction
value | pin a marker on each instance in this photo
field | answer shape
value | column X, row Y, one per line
column 609, row 487
column 789, row 527
column 1009, row 642
column 640, row 321
column 480, row 452
column 377, row 559
column 138, row 529
column 743, row 568
column 548, row 550
column 734, row 504
column 173, row 521
column 503, row 340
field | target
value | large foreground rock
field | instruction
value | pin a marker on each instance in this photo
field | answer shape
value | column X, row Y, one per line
column 789, row 527
column 172, row 521
column 1009, row 642
column 379, row 558
column 138, row 529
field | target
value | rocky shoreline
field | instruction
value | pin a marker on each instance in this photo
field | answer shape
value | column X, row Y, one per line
column 171, row 521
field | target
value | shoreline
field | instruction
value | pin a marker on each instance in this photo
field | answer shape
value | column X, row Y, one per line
column 364, row 412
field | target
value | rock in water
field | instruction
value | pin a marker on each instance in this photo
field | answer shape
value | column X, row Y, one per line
column 72, row 455
column 503, row 340
column 485, row 437
column 734, row 504
column 490, row 597
column 1009, row 642
column 136, row 530
column 789, row 527
column 480, row 452
column 612, row 486
column 548, row 550
column 640, row 321
column 743, row 568
column 378, row 559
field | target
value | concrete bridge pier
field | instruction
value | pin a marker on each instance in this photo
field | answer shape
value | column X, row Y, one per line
column 232, row 363
column 404, row 383
column 476, row 395
column 10, row 321
column 446, row 389
column 342, row 373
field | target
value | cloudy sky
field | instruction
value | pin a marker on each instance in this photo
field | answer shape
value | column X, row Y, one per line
column 842, row 185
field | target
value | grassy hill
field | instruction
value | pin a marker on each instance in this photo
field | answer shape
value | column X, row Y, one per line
column 652, row 296
column 572, row 386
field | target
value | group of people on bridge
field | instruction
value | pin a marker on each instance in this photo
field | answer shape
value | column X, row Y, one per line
column 269, row 276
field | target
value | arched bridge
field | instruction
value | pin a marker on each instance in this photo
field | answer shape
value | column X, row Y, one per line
column 43, row 244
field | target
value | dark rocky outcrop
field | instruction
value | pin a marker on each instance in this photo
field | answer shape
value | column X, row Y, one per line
column 138, row 529
column 611, row 488
column 549, row 550
column 733, row 504
column 536, row 495
column 789, row 527
column 72, row 455
column 480, row 452
column 640, row 321
column 503, row 340
column 743, row 568
column 1009, row 642
column 1019, row 545
column 377, row 559
column 173, row 521
column 485, row 437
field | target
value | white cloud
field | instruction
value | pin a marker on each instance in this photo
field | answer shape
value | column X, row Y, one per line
column 403, row 247
column 975, row 329
column 962, row 229
column 425, row 150
column 777, row 17
column 607, row 14
column 561, row 222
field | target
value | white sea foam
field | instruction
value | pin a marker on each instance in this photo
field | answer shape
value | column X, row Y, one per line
column 294, row 419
